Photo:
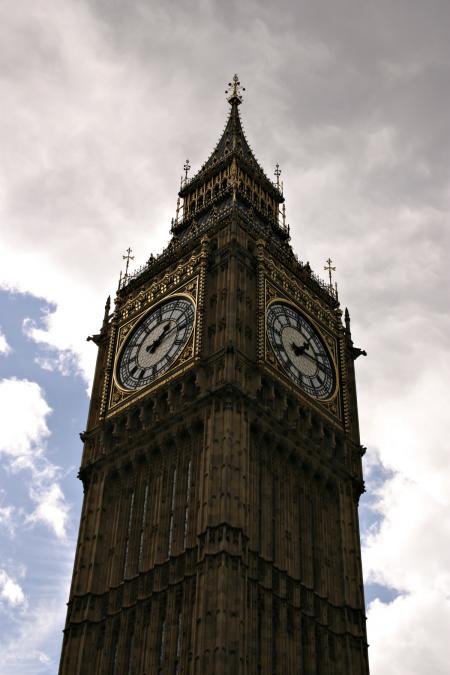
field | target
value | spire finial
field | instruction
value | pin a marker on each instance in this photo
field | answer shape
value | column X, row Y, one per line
column 186, row 169
column 234, row 91
column 330, row 269
column 128, row 257
column 277, row 173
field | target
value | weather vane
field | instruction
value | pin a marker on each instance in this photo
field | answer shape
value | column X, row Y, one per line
column 234, row 91
column 128, row 257
column 277, row 173
column 330, row 269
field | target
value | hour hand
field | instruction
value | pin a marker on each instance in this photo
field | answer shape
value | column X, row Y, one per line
column 299, row 350
column 155, row 344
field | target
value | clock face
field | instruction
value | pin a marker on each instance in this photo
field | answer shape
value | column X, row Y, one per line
column 156, row 343
column 300, row 350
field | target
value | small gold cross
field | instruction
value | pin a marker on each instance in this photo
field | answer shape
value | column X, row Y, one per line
column 128, row 257
column 330, row 269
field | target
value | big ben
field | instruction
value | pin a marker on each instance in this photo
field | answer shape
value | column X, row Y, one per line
column 222, row 461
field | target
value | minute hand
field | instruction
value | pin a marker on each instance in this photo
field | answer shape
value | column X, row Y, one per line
column 322, row 366
column 175, row 328
column 151, row 348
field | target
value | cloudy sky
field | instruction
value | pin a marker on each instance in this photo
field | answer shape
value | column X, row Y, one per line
column 102, row 101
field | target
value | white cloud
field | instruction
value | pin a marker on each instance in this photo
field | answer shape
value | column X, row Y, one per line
column 5, row 348
column 32, row 639
column 25, row 410
column 8, row 514
column 410, row 634
column 7, row 519
column 69, row 189
column 62, row 361
column 381, row 150
column 398, row 72
column 405, row 552
column 23, row 437
column 10, row 591
column 408, row 549
column 52, row 508
column 99, row 113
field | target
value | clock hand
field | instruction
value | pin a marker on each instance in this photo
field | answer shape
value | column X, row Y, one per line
column 321, row 366
column 298, row 351
column 155, row 344
column 165, row 335
column 175, row 328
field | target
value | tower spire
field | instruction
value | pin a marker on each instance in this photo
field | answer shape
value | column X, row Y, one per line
column 232, row 173
column 232, row 143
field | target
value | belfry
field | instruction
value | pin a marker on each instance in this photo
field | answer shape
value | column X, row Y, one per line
column 222, row 461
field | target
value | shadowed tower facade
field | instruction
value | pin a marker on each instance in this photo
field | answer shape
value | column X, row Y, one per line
column 222, row 462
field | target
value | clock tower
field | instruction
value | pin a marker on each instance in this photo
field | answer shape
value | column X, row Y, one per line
column 222, row 462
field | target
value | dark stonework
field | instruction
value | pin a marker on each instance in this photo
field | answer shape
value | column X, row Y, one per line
column 219, row 531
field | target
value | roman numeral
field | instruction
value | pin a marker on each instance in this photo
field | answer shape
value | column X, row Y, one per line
column 139, row 337
column 325, row 369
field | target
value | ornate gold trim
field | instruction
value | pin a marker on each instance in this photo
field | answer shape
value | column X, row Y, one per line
column 329, row 342
column 261, row 292
column 201, row 295
column 268, row 293
column 119, row 396
column 345, row 383
column 160, row 287
column 108, row 368
column 123, row 402
column 300, row 294
column 126, row 329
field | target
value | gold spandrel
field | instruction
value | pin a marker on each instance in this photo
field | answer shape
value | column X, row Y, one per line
column 159, row 287
column 293, row 293
column 299, row 293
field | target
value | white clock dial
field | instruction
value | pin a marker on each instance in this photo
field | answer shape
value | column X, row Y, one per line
column 300, row 350
column 156, row 343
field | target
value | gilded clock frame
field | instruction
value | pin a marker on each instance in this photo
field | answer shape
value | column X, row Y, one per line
column 126, row 330
column 271, row 357
column 119, row 396
column 326, row 330
column 187, row 277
